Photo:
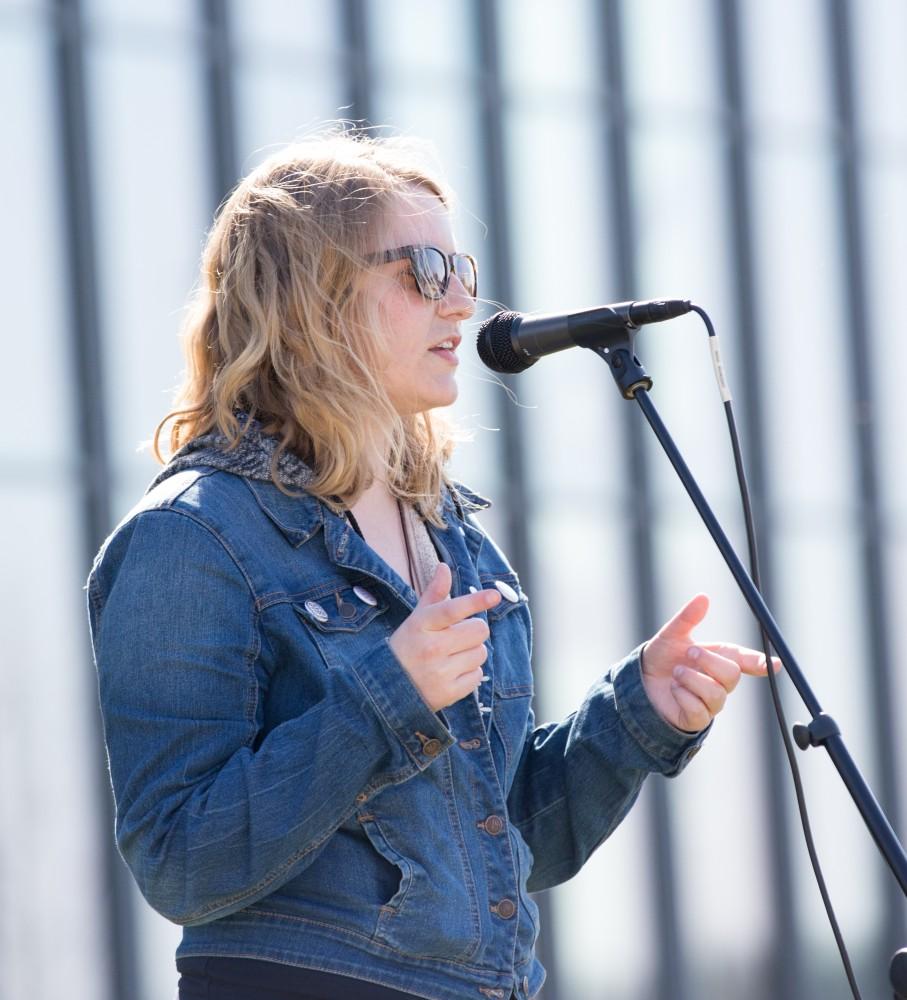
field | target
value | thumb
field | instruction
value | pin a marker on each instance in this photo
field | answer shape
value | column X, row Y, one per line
column 439, row 588
column 687, row 618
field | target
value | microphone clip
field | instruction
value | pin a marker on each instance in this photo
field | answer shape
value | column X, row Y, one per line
column 626, row 368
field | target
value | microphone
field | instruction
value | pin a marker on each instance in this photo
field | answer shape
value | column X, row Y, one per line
column 511, row 342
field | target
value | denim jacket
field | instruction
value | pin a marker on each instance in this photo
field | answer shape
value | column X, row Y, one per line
column 283, row 791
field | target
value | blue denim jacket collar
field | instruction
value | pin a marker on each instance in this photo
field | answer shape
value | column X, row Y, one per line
column 298, row 515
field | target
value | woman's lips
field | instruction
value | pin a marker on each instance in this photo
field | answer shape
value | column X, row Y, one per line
column 448, row 354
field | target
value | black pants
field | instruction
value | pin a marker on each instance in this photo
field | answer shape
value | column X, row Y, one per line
column 253, row 979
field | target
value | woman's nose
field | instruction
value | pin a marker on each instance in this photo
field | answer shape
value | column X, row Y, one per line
column 456, row 300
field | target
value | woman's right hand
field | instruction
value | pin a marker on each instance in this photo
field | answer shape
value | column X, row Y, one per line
column 440, row 645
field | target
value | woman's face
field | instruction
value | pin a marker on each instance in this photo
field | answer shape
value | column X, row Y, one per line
column 420, row 374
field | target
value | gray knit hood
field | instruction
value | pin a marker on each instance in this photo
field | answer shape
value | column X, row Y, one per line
column 250, row 458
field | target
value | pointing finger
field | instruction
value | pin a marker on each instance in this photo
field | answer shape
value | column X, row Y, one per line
column 446, row 613
column 686, row 619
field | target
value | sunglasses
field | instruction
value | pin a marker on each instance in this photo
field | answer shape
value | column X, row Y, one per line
column 432, row 269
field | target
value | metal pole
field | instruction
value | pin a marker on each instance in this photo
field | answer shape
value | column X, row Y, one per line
column 513, row 455
column 671, row 973
column 783, row 962
column 221, row 105
column 866, row 468
column 89, row 419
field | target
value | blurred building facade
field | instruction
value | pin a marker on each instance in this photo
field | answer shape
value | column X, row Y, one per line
column 748, row 154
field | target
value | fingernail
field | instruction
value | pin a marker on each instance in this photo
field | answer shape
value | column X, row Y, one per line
column 678, row 672
column 694, row 652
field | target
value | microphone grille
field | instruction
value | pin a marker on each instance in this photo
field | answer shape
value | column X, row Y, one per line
column 495, row 347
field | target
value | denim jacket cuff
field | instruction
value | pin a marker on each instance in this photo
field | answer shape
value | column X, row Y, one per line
column 671, row 749
column 401, row 707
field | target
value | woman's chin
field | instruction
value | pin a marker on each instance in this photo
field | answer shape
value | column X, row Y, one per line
column 440, row 397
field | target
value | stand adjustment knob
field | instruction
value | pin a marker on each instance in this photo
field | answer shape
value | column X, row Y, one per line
column 821, row 729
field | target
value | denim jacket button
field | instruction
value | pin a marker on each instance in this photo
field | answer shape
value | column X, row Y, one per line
column 366, row 596
column 316, row 611
column 691, row 753
column 431, row 748
column 493, row 825
column 505, row 908
column 507, row 591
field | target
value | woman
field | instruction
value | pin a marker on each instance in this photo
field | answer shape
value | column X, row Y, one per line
column 314, row 665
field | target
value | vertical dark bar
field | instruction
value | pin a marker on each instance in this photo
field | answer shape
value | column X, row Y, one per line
column 783, row 966
column 94, row 473
column 513, row 455
column 672, row 978
column 860, row 369
column 219, row 97
column 359, row 71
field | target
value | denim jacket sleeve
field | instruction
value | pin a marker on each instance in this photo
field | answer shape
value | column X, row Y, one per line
column 210, row 816
column 577, row 779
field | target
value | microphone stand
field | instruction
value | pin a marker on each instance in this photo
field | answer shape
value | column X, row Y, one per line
column 616, row 348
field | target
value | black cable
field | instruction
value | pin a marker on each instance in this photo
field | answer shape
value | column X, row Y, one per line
column 766, row 646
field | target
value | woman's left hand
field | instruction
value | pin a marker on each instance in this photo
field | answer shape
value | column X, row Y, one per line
column 687, row 681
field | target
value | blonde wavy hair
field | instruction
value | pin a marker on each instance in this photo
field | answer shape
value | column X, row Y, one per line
column 280, row 328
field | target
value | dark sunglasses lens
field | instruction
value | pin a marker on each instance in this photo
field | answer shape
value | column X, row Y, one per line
column 430, row 269
column 466, row 272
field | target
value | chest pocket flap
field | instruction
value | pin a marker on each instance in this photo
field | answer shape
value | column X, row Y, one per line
column 340, row 608
column 343, row 621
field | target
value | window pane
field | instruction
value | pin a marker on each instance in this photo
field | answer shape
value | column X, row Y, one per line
column 148, row 244
column 51, row 837
column 289, row 25
column 36, row 345
column 548, row 49
column 669, row 56
column 278, row 103
column 680, row 205
column 430, row 37
column 805, row 386
column 786, row 65
column 160, row 14
column 880, row 71
column 562, row 262
column 288, row 72
column 885, row 200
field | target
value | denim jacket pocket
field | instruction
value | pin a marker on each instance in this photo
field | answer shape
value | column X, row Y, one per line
column 434, row 912
column 342, row 625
